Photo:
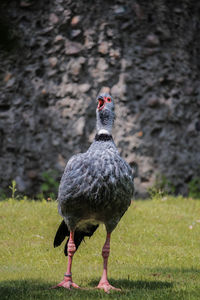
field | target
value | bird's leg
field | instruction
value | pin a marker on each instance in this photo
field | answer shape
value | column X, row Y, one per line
column 103, row 283
column 71, row 249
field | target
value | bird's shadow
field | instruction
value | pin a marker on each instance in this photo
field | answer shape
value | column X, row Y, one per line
column 131, row 289
column 38, row 289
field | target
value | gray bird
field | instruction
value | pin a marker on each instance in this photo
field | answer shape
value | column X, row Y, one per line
column 96, row 187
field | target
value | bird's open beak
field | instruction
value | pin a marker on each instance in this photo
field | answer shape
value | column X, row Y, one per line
column 101, row 103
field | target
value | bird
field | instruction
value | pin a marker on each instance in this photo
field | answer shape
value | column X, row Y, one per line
column 96, row 187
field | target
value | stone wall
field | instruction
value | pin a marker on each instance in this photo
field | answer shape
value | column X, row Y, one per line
column 55, row 56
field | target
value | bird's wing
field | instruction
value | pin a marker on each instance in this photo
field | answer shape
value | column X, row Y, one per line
column 75, row 178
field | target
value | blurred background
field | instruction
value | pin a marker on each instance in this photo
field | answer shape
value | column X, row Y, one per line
column 56, row 56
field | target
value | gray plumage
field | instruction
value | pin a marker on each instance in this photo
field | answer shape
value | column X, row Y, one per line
column 97, row 186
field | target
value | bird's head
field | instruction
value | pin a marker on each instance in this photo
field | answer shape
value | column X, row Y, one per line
column 105, row 101
column 105, row 113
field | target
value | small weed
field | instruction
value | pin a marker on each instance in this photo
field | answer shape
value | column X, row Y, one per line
column 156, row 193
column 194, row 188
column 161, row 188
column 49, row 186
column 13, row 190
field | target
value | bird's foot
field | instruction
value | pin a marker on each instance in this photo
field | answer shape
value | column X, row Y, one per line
column 67, row 284
column 106, row 286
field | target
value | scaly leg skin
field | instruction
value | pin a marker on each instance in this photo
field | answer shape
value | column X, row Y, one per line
column 103, row 283
column 67, row 282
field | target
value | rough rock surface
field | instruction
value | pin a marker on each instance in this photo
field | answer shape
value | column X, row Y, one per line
column 55, row 56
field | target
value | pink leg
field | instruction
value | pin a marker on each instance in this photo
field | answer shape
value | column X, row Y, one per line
column 71, row 249
column 103, row 283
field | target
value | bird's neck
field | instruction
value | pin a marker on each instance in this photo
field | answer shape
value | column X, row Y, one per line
column 104, row 123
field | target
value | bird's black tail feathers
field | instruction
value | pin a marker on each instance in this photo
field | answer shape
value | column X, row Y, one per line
column 61, row 234
column 79, row 235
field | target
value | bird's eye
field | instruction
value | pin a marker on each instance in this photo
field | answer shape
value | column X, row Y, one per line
column 109, row 99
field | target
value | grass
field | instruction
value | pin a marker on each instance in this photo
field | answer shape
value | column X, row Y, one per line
column 154, row 252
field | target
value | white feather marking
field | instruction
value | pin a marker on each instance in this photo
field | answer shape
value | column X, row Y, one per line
column 103, row 131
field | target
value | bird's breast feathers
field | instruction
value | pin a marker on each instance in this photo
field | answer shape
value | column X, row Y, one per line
column 95, row 172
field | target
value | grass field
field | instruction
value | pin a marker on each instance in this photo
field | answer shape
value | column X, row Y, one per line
column 155, row 253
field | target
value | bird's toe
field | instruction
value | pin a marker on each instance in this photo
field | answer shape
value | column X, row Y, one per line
column 66, row 284
column 106, row 286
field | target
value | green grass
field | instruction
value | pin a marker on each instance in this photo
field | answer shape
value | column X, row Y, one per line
column 154, row 253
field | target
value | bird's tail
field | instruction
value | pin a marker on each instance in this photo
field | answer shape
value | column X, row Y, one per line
column 79, row 235
column 61, row 234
